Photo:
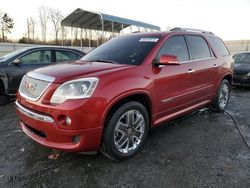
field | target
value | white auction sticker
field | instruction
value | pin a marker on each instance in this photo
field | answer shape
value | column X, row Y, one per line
column 148, row 40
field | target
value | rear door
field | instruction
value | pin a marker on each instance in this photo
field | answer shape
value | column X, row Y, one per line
column 29, row 61
column 205, row 66
column 175, row 84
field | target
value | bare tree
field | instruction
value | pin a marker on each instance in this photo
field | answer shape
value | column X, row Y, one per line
column 32, row 25
column 64, row 34
column 1, row 15
column 43, row 16
column 56, row 18
column 28, row 29
column 6, row 24
column 31, row 28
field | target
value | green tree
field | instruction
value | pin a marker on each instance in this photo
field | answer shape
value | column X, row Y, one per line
column 6, row 24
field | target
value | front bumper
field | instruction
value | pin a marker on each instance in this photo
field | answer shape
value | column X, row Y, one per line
column 241, row 80
column 48, row 129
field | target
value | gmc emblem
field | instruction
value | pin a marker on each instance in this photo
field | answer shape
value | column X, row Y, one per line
column 29, row 86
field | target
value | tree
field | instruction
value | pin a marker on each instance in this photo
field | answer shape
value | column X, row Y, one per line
column 56, row 18
column 6, row 24
column 31, row 28
column 43, row 16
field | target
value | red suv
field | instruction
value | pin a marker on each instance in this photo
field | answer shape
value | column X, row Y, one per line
column 110, row 98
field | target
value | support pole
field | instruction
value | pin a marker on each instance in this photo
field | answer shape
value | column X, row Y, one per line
column 102, row 31
column 62, row 35
column 81, row 37
column 71, row 33
column 97, row 41
column 90, row 37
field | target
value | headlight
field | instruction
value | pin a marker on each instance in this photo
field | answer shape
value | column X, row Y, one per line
column 74, row 89
column 248, row 74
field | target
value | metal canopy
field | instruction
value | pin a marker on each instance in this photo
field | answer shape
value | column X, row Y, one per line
column 101, row 22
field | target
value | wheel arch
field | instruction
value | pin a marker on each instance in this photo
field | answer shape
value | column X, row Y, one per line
column 3, row 83
column 228, row 77
column 2, row 87
column 142, row 97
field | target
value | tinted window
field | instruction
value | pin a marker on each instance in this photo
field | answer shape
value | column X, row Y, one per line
column 130, row 49
column 242, row 58
column 37, row 57
column 175, row 46
column 198, row 47
column 65, row 56
column 219, row 45
column 11, row 55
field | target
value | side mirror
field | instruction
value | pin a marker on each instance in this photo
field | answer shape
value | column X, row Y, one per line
column 17, row 62
column 168, row 60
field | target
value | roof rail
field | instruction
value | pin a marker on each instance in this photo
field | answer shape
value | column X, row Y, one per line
column 192, row 30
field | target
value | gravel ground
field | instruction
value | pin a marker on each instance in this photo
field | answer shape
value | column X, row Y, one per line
column 203, row 149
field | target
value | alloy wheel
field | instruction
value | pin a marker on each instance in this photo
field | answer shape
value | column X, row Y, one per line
column 129, row 131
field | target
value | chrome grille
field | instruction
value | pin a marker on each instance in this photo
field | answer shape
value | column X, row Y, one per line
column 33, row 85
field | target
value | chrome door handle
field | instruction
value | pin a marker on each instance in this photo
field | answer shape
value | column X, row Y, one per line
column 191, row 71
column 215, row 66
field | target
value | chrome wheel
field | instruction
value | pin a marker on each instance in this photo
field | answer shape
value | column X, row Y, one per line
column 129, row 131
column 223, row 96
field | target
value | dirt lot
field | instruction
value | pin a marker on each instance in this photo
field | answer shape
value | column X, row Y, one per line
column 204, row 149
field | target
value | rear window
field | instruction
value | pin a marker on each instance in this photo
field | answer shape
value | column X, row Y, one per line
column 219, row 45
column 62, row 56
column 130, row 49
column 242, row 58
column 198, row 47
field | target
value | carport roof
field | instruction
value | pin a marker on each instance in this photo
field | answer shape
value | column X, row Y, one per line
column 93, row 20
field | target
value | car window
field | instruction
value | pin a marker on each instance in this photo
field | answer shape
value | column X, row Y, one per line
column 177, row 46
column 62, row 56
column 37, row 57
column 198, row 47
column 219, row 45
column 129, row 49
column 242, row 58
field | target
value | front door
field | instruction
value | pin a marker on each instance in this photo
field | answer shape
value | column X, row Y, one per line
column 175, row 83
column 28, row 62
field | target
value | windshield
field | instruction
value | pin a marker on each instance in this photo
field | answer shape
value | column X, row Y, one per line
column 130, row 49
column 242, row 58
column 11, row 55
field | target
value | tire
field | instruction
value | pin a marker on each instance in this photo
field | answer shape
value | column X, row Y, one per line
column 3, row 98
column 222, row 97
column 126, row 131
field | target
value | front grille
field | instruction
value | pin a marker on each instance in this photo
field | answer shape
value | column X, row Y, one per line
column 36, row 132
column 32, row 86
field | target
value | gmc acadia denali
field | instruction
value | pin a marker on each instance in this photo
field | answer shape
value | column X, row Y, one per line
column 110, row 98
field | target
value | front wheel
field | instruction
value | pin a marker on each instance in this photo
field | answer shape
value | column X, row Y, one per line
column 125, row 131
column 222, row 97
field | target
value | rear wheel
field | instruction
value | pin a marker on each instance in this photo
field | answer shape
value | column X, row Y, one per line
column 125, row 131
column 222, row 97
column 3, row 98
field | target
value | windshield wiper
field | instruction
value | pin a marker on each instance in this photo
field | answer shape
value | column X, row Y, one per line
column 104, row 60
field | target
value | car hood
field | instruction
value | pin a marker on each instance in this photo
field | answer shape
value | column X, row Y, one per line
column 242, row 68
column 67, row 71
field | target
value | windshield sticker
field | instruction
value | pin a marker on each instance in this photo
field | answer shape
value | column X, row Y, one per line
column 148, row 40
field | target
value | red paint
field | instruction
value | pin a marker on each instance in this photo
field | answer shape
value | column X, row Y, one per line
column 171, row 89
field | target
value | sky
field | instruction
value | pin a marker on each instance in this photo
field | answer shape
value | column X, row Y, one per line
column 228, row 19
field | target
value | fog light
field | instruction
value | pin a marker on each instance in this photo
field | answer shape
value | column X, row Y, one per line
column 68, row 120
column 76, row 139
